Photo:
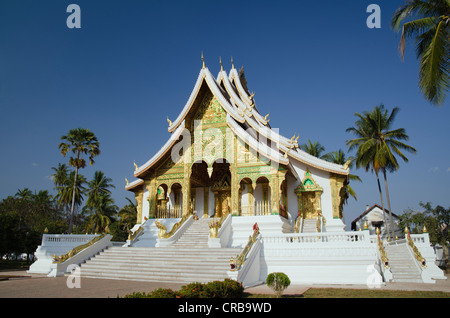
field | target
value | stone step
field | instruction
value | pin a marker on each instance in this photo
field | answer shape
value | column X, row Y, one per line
column 402, row 264
column 188, row 260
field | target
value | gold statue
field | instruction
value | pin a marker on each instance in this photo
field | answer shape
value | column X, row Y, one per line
column 347, row 163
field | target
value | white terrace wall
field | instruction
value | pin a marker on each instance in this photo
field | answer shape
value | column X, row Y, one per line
column 320, row 258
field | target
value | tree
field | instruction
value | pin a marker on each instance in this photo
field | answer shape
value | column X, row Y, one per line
column 377, row 146
column 313, row 148
column 278, row 282
column 101, row 213
column 98, row 186
column 431, row 30
column 80, row 142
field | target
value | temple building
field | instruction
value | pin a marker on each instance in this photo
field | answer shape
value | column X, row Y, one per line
column 223, row 156
column 228, row 196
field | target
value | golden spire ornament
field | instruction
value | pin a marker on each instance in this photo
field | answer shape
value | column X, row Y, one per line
column 232, row 63
column 220, row 61
column 204, row 66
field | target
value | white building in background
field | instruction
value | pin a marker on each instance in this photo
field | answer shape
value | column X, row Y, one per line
column 374, row 218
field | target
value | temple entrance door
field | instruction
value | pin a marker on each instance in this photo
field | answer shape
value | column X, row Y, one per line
column 221, row 187
column 309, row 205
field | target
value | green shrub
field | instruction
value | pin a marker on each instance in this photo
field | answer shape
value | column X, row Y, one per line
column 278, row 282
column 227, row 288
column 163, row 293
column 192, row 290
column 137, row 295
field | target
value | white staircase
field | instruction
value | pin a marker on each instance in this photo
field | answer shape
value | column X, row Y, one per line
column 309, row 226
column 402, row 264
column 195, row 236
column 188, row 260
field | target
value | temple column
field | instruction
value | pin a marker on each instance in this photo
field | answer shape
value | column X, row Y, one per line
column 336, row 184
column 235, row 197
column 152, row 191
column 205, row 202
column 139, row 196
column 250, row 198
column 187, row 189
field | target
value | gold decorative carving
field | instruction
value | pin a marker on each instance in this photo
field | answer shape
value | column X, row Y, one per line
column 76, row 250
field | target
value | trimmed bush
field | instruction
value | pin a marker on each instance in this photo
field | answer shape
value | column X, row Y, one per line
column 227, row 288
column 278, row 282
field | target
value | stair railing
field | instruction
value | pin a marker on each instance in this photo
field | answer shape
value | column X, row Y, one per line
column 237, row 262
column 246, row 266
column 384, row 267
column 298, row 225
column 168, row 238
column 79, row 254
column 219, row 231
column 415, row 250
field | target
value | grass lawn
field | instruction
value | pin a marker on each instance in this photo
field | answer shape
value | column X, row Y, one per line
column 359, row 293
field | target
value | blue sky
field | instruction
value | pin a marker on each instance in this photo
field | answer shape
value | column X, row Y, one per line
column 311, row 64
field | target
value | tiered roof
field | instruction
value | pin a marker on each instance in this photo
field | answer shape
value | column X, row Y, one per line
column 231, row 92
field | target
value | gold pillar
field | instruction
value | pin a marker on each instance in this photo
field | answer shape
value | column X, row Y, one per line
column 187, row 189
column 152, row 191
column 139, row 196
column 234, row 182
column 205, row 202
column 336, row 183
column 250, row 198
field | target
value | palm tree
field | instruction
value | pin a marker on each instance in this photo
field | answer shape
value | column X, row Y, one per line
column 313, row 148
column 431, row 30
column 101, row 213
column 66, row 195
column 339, row 157
column 128, row 215
column 377, row 146
column 60, row 175
column 24, row 194
column 80, row 142
column 98, row 186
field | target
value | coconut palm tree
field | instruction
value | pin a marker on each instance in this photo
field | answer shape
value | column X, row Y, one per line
column 80, row 142
column 98, row 186
column 430, row 27
column 101, row 213
column 128, row 215
column 376, row 146
column 313, row 148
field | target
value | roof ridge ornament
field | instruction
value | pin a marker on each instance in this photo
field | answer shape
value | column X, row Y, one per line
column 168, row 120
column 220, row 61
column 232, row 63
column 203, row 59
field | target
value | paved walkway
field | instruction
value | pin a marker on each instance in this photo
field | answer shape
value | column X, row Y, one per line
column 20, row 284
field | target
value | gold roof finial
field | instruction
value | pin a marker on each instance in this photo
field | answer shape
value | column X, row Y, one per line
column 220, row 61
column 126, row 180
column 168, row 120
column 232, row 63
column 204, row 66
column 135, row 166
